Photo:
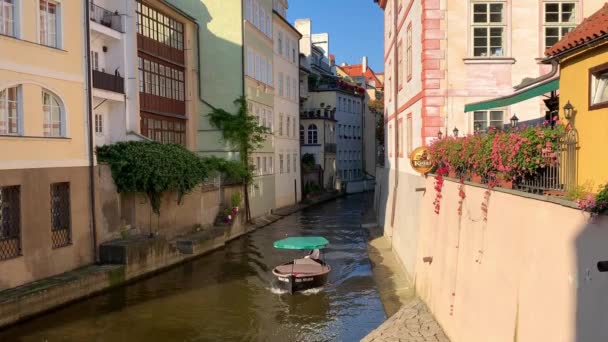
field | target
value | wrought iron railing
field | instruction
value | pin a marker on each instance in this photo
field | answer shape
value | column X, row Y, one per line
column 558, row 176
column 10, row 222
column 61, row 222
column 105, row 81
column 106, row 18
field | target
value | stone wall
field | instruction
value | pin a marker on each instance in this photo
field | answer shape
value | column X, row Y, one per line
column 131, row 212
column 527, row 272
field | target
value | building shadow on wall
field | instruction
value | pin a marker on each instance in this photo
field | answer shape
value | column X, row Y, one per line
column 591, row 281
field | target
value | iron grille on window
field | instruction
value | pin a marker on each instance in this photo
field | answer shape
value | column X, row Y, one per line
column 60, row 214
column 10, row 222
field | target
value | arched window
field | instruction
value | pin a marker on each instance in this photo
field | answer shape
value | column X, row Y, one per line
column 312, row 134
column 54, row 125
column 301, row 134
column 9, row 111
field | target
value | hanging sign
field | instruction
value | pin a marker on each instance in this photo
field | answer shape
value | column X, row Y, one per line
column 421, row 160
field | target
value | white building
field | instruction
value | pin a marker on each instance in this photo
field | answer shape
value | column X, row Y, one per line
column 288, row 188
column 113, row 58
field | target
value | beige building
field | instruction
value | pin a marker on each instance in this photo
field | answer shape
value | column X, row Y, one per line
column 288, row 188
column 44, row 180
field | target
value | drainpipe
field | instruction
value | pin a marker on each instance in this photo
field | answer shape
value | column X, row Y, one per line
column 89, row 101
column 396, row 108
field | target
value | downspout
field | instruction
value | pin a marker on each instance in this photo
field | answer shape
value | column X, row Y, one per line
column 396, row 108
column 245, row 158
column 89, row 101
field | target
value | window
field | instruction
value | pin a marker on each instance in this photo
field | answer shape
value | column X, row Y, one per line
column 280, row 163
column 262, row 26
column 312, row 134
column 288, row 164
column 408, row 52
column 263, row 70
column 488, row 29
column 257, row 67
column 256, row 14
column 98, row 123
column 10, row 222
column 249, row 10
column 9, row 111
column 400, row 68
column 350, row 108
column 163, row 129
column 264, row 166
column 560, row 18
column 270, row 73
column 7, row 17
column 280, row 84
column 293, row 89
column 599, row 86
column 288, row 125
column 293, row 128
column 484, row 119
column 280, row 43
column 280, row 124
column 268, row 26
column 288, row 86
column 258, row 166
column 250, row 66
column 95, row 60
column 157, row 76
column 48, row 23
column 60, row 215
column 53, row 115
column 156, row 26
column 295, row 163
column 270, row 165
column 301, row 134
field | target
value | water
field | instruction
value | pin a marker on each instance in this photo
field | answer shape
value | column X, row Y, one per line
column 229, row 295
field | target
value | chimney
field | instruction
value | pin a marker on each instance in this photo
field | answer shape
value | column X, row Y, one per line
column 364, row 65
column 332, row 59
column 344, row 64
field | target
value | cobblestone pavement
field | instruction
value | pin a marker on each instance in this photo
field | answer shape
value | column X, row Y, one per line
column 412, row 323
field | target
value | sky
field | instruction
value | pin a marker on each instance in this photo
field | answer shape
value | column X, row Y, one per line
column 355, row 27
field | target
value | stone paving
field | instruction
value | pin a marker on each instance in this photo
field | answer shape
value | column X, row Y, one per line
column 412, row 323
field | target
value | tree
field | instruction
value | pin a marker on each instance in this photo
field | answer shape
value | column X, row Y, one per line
column 377, row 107
column 244, row 133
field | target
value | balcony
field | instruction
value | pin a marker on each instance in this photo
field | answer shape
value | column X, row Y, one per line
column 330, row 148
column 102, row 80
column 106, row 18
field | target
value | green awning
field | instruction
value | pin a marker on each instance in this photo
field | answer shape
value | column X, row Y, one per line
column 530, row 92
column 301, row 242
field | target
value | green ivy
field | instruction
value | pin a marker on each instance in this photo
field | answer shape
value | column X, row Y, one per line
column 232, row 171
column 153, row 168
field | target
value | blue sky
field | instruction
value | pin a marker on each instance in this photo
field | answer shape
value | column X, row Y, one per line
column 355, row 27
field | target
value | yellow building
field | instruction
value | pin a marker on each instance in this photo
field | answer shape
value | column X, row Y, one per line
column 583, row 58
column 44, row 179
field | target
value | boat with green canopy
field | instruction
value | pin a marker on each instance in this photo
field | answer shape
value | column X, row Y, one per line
column 303, row 273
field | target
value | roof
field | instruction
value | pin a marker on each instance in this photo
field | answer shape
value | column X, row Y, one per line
column 596, row 26
column 357, row 71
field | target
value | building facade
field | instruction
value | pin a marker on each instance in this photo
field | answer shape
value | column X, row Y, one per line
column 286, row 107
column 44, row 164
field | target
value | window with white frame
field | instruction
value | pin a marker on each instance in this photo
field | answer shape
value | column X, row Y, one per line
column 488, row 29
column 599, row 86
column 312, row 134
column 98, row 123
column 95, row 60
column 270, row 165
column 288, row 124
column 53, row 115
column 288, row 163
column 257, row 67
column 301, row 134
column 559, row 19
column 7, row 17
column 280, row 124
column 9, row 111
column 250, row 63
column 288, row 86
column 264, row 166
column 49, row 23
column 483, row 119
column 258, row 165
column 269, row 69
column 280, row 163
column 295, row 162
column 293, row 128
column 280, row 42
column 280, row 84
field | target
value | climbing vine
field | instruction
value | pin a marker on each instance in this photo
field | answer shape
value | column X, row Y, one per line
column 438, row 188
column 462, row 196
column 153, row 168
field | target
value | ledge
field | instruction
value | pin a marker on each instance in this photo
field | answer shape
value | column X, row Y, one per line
column 489, row 60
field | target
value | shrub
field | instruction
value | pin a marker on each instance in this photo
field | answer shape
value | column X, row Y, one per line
column 153, row 168
column 236, row 199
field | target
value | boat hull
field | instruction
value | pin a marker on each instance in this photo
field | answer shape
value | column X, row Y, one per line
column 295, row 282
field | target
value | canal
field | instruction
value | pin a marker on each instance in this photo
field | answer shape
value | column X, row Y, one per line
column 228, row 295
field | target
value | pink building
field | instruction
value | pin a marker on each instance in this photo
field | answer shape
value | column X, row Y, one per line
column 442, row 55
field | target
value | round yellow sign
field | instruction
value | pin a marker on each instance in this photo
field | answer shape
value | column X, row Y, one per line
column 421, row 160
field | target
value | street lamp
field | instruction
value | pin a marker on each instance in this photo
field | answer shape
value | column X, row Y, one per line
column 514, row 121
column 440, row 134
column 455, row 131
column 568, row 111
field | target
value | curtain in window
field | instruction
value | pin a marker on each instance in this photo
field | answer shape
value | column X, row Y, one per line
column 9, row 116
column 52, row 115
column 601, row 88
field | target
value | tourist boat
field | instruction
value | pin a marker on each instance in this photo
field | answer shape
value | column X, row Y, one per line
column 304, row 273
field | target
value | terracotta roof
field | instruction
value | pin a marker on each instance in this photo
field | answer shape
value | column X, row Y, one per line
column 357, row 71
column 591, row 28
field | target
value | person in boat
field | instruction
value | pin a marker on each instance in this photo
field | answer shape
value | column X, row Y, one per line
column 315, row 255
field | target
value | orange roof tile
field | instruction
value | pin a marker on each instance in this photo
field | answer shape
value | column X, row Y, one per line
column 591, row 28
column 356, row 70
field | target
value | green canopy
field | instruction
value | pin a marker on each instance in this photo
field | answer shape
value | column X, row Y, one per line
column 302, row 242
column 534, row 91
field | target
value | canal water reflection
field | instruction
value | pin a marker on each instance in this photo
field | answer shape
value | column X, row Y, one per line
column 228, row 295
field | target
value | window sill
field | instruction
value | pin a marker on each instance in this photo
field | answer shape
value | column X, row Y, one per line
column 489, row 60
column 597, row 106
column 33, row 137
column 4, row 36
